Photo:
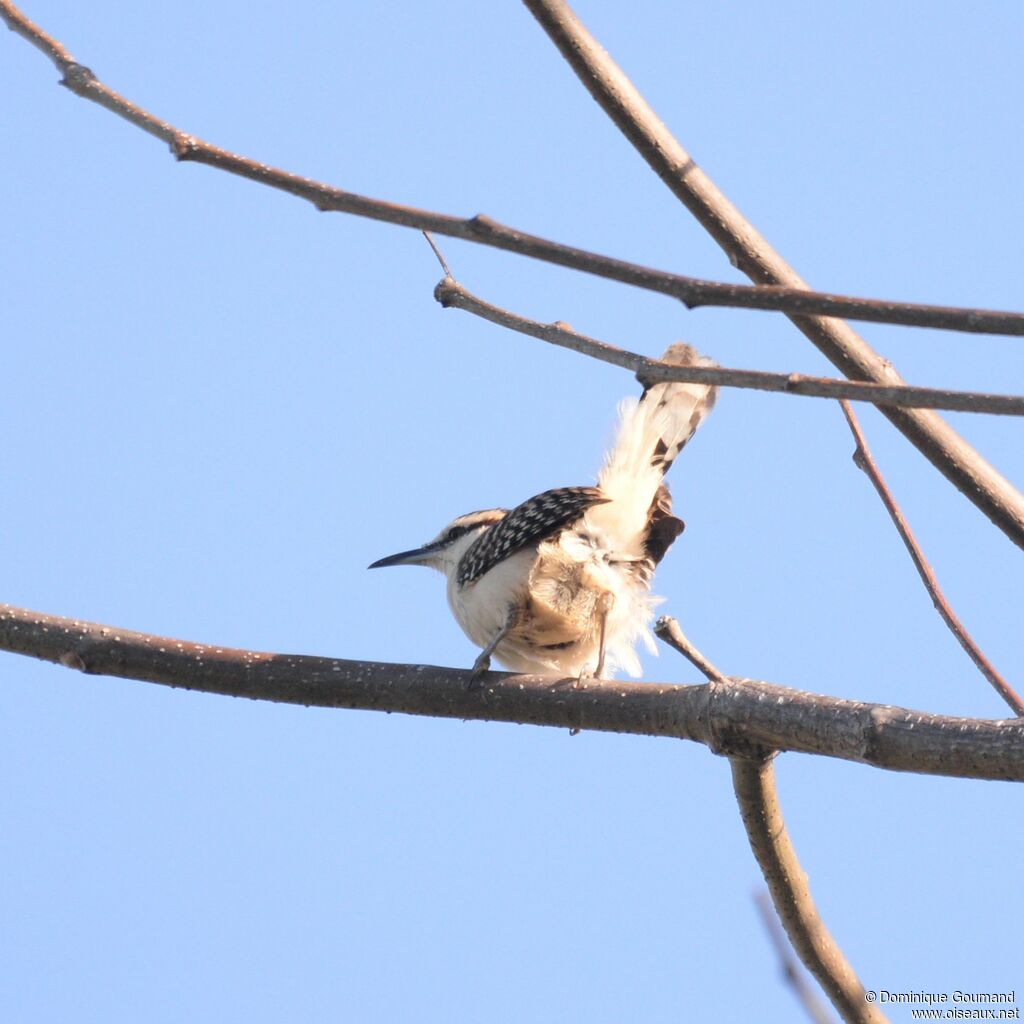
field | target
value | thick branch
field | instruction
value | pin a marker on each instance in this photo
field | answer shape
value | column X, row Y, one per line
column 693, row 292
column 863, row 460
column 452, row 294
column 749, row 251
column 754, row 714
column 754, row 783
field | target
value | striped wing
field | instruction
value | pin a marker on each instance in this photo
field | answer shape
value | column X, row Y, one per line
column 529, row 523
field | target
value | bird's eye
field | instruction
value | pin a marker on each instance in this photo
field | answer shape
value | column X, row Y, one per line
column 454, row 533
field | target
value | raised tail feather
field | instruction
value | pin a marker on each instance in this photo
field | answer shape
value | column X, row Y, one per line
column 677, row 410
column 652, row 431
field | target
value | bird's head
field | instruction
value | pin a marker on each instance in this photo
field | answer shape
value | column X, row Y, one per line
column 446, row 550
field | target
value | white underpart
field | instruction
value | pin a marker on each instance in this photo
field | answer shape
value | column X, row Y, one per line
column 482, row 608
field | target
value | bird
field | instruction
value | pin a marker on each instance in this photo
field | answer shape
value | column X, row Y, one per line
column 560, row 584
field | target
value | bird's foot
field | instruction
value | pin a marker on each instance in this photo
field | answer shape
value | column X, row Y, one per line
column 585, row 675
column 480, row 668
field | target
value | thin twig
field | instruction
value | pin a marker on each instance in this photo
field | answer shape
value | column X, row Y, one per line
column 440, row 257
column 452, row 294
column 971, row 474
column 669, row 631
column 722, row 738
column 760, row 714
column 791, row 970
column 863, row 460
column 693, row 292
column 754, row 783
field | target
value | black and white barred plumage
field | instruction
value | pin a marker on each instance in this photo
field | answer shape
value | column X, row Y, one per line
column 529, row 523
column 561, row 583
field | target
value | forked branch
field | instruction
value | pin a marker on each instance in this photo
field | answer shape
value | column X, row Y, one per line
column 691, row 291
column 669, row 631
column 756, row 715
column 971, row 474
column 756, row 793
column 791, row 971
column 649, row 371
column 960, row 463
column 754, row 784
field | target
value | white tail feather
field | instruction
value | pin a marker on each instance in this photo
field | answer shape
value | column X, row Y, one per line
column 662, row 421
column 651, row 433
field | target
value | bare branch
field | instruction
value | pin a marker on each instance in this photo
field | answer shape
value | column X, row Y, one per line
column 944, row 447
column 440, row 256
column 758, row 715
column 692, row 292
column 754, row 783
column 863, row 460
column 791, row 971
column 650, row 371
column 971, row 474
column 671, row 633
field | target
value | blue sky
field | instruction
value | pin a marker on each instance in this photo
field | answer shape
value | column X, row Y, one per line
column 219, row 406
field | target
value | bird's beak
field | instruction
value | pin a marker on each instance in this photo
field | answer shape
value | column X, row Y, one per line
column 418, row 556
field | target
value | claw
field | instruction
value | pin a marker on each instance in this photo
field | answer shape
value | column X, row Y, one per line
column 585, row 675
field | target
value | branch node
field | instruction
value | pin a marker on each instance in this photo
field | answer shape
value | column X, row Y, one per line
column 482, row 225
column 72, row 659
column 445, row 291
column 183, row 146
column 77, row 77
column 723, row 738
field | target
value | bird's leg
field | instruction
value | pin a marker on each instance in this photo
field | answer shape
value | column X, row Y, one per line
column 603, row 607
column 483, row 661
